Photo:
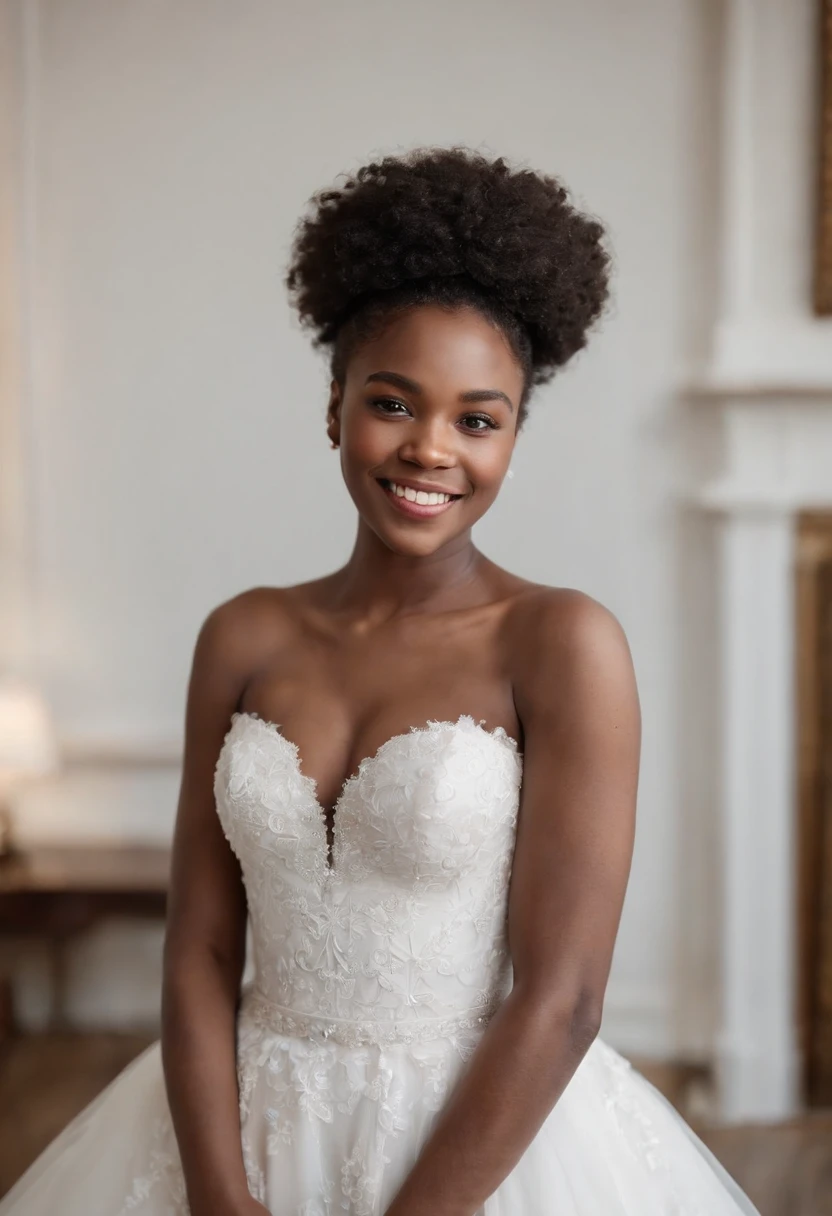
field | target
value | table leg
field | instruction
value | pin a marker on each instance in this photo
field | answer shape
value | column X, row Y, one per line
column 7, row 1022
column 58, row 976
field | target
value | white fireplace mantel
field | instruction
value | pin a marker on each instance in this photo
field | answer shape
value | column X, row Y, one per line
column 776, row 442
column 777, row 449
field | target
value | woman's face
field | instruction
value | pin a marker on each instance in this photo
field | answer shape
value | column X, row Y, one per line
column 431, row 402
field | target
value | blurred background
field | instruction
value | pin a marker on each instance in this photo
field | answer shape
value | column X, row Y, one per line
column 162, row 447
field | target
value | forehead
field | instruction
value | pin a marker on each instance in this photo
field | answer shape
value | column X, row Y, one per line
column 442, row 347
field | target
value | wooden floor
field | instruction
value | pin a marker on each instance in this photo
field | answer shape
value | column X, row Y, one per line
column 46, row 1079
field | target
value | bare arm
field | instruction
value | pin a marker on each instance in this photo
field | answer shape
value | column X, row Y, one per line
column 205, row 939
column 577, row 699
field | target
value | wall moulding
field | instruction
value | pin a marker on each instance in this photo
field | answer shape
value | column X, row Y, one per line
column 823, row 247
column 761, row 358
column 88, row 751
column 774, row 444
column 721, row 390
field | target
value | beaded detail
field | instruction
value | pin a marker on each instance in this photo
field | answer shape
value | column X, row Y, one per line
column 265, row 1015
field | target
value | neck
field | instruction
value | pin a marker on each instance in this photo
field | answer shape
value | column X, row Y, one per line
column 378, row 583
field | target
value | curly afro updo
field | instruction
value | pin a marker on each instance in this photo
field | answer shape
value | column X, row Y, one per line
column 448, row 226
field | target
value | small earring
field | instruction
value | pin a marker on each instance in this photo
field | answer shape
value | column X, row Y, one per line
column 333, row 444
column 510, row 473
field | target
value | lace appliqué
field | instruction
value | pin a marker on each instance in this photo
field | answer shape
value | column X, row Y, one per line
column 638, row 1131
column 163, row 1180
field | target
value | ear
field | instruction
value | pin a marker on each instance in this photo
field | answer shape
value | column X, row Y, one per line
column 333, row 412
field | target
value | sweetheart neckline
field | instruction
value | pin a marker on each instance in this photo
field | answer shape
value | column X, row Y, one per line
column 497, row 733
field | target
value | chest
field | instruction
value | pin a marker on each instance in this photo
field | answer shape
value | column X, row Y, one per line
column 339, row 699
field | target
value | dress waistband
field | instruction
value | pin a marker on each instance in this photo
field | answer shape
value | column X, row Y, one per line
column 265, row 1014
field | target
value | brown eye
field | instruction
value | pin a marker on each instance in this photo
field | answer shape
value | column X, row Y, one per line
column 380, row 401
column 486, row 419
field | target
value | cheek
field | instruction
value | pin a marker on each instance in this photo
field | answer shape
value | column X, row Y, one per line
column 366, row 443
column 370, row 449
column 486, row 469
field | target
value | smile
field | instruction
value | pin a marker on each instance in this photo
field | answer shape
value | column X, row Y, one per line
column 416, row 503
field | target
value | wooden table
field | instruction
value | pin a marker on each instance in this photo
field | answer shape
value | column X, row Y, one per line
column 56, row 893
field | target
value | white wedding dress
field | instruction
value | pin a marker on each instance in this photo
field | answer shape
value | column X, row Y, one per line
column 376, row 971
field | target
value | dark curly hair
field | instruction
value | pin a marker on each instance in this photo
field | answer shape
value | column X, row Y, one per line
column 448, row 226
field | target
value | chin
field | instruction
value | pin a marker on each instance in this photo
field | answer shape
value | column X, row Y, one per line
column 413, row 544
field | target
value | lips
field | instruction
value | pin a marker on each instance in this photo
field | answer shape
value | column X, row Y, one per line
column 415, row 510
column 405, row 483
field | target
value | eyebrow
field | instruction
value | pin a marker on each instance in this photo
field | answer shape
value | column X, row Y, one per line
column 472, row 395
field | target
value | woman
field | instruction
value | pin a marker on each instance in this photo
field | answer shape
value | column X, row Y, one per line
column 418, row 776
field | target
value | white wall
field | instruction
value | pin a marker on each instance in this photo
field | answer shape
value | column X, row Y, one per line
column 178, row 451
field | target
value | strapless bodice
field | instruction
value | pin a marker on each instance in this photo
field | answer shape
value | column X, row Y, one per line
column 401, row 935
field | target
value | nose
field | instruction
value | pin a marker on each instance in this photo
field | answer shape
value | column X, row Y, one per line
column 429, row 444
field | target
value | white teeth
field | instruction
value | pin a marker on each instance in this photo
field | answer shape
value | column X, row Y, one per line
column 421, row 496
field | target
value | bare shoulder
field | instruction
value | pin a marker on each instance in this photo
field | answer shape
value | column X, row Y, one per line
column 243, row 632
column 567, row 649
column 562, row 619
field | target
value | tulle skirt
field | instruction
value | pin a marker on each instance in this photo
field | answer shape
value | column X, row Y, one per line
column 334, row 1129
